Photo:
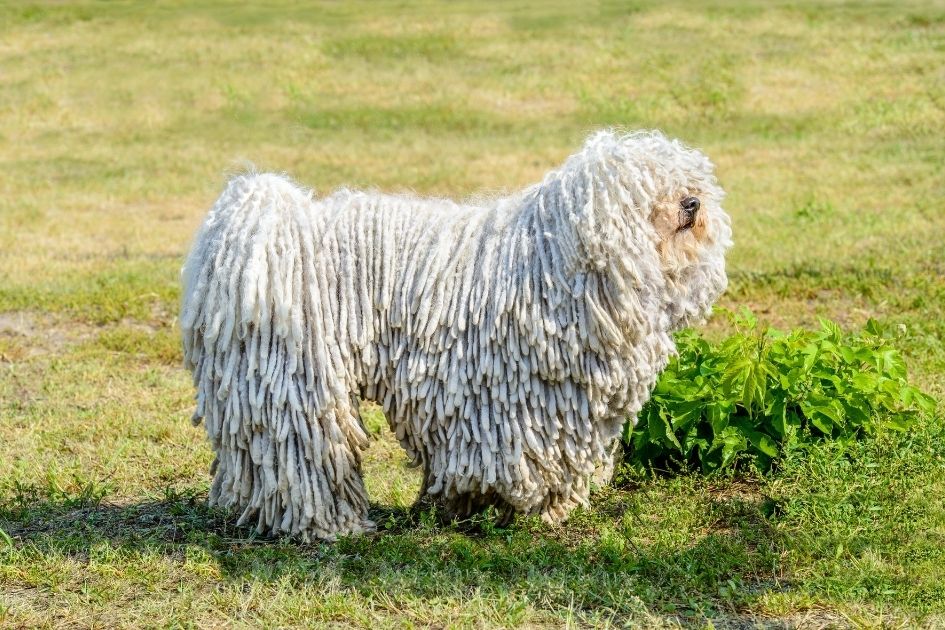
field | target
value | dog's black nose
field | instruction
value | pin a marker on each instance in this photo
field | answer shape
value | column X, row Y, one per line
column 690, row 204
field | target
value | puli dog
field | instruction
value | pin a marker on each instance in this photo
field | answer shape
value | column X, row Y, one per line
column 507, row 342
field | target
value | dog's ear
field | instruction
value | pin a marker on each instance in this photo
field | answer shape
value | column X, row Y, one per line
column 612, row 219
column 603, row 234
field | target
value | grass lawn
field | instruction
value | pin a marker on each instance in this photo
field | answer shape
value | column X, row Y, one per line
column 118, row 124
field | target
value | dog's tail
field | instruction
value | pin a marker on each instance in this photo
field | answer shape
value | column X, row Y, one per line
column 270, row 390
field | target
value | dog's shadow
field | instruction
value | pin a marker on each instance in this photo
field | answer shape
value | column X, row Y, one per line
column 178, row 518
column 413, row 553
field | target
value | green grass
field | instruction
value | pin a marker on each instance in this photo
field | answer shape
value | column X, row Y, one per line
column 118, row 123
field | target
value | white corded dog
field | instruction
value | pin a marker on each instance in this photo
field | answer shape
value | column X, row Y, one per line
column 507, row 343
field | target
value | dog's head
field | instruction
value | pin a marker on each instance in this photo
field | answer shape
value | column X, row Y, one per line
column 662, row 202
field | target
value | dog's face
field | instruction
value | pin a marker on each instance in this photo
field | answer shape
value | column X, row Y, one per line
column 656, row 218
column 682, row 201
column 687, row 221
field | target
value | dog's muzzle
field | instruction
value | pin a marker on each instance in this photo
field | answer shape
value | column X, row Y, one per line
column 690, row 207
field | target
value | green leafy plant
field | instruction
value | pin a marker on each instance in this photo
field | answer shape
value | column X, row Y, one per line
column 753, row 397
column 6, row 539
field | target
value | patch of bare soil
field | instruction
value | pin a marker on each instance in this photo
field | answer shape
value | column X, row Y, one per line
column 26, row 334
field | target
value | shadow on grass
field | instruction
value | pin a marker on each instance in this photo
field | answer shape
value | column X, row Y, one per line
column 611, row 562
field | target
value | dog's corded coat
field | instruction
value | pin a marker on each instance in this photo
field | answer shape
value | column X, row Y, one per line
column 507, row 344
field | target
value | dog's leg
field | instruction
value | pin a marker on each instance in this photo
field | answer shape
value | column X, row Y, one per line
column 343, row 473
column 290, row 470
column 558, row 506
column 604, row 472
column 273, row 387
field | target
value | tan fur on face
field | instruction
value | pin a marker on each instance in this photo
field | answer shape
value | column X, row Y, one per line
column 679, row 247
